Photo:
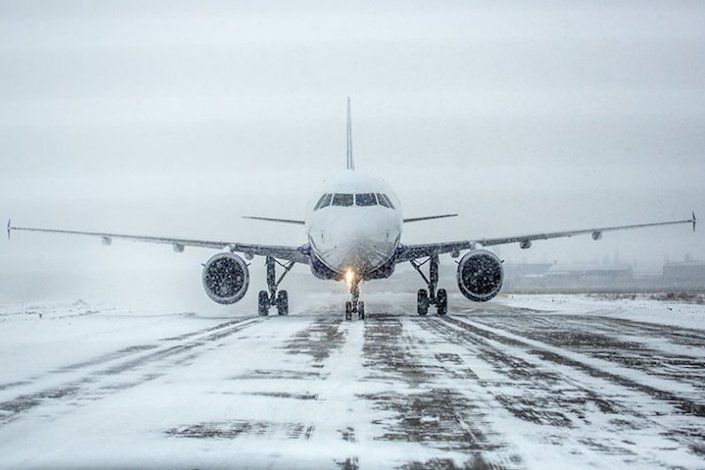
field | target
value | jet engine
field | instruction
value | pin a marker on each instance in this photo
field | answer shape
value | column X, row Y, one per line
column 480, row 275
column 225, row 278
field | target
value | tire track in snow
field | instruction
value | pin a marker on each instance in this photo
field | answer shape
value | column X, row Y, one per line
column 665, row 352
column 306, row 387
column 318, row 340
column 567, row 401
column 426, row 403
column 98, row 383
column 111, row 356
column 594, row 368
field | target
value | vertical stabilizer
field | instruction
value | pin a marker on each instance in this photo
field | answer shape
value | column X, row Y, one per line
column 350, row 165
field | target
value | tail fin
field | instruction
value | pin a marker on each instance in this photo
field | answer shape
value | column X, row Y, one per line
column 350, row 165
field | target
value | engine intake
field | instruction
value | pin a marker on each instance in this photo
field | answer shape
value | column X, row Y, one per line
column 480, row 275
column 226, row 278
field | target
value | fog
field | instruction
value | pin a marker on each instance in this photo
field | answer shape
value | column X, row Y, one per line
column 176, row 118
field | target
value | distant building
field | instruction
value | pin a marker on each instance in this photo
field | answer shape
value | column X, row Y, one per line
column 684, row 271
column 519, row 270
column 590, row 272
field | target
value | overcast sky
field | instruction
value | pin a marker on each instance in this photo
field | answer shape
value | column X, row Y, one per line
column 175, row 118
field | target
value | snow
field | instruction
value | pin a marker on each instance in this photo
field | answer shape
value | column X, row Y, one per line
column 521, row 382
column 675, row 313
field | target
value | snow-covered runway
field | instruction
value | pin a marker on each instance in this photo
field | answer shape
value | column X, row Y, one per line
column 512, row 384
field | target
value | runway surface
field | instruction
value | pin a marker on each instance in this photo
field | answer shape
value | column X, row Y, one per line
column 490, row 386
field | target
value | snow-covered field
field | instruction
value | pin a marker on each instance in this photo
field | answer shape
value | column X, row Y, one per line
column 521, row 382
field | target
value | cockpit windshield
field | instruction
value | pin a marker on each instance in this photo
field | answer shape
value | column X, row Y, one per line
column 343, row 200
column 385, row 201
column 347, row 200
column 365, row 199
column 323, row 201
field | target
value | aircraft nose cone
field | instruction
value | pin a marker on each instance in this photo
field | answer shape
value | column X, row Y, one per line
column 360, row 250
column 359, row 254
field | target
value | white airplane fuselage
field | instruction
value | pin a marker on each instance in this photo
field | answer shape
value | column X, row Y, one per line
column 358, row 231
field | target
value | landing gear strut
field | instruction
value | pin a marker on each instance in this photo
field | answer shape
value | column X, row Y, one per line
column 272, row 298
column 425, row 298
column 354, row 306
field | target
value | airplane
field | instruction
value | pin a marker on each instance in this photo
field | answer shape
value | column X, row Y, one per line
column 354, row 231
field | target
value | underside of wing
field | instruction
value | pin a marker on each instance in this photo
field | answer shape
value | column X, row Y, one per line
column 289, row 253
column 409, row 252
column 525, row 240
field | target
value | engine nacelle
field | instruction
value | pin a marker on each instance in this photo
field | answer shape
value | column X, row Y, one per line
column 480, row 275
column 226, row 278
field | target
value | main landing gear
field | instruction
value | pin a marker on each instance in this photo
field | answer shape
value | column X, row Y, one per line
column 272, row 298
column 354, row 306
column 425, row 298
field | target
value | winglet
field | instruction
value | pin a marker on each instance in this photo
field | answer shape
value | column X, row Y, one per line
column 350, row 165
column 9, row 227
column 693, row 221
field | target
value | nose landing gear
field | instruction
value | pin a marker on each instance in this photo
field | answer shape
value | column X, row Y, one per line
column 354, row 306
column 272, row 298
column 425, row 298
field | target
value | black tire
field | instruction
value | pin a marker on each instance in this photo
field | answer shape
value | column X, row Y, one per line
column 442, row 302
column 263, row 303
column 422, row 302
column 348, row 310
column 283, row 302
column 361, row 310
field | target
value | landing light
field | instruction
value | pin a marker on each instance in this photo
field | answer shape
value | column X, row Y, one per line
column 349, row 276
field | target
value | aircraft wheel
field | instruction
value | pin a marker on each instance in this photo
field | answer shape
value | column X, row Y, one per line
column 442, row 302
column 283, row 302
column 348, row 310
column 361, row 310
column 422, row 302
column 263, row 303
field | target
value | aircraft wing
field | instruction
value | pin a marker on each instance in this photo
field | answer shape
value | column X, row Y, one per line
column 409, row 252
column 289, row 253
column 429, row 217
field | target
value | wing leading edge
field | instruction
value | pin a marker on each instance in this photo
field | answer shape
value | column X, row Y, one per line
column 272, row 219
column 429, row 217
column 409, row 252
column 289, row 253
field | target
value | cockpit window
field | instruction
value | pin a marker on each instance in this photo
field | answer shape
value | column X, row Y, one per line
column 389, row 201
column 365, row 199
column 385, row 201
column 347, row 200
column 382, row 201
column 323, row 201
column 343, row 200
column 326, row 201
